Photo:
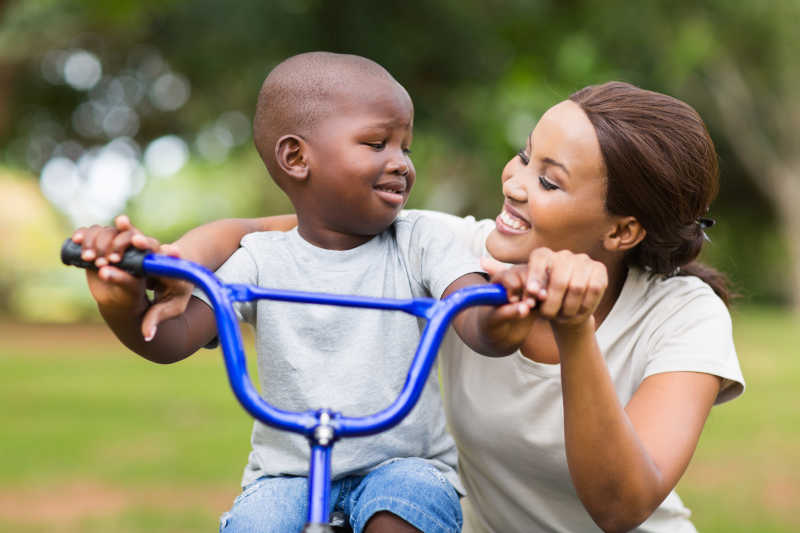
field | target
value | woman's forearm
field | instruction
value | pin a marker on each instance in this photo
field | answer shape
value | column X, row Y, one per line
column 212, row 244
column 615, row 477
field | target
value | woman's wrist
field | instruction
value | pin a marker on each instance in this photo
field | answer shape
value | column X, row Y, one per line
column 568, row 335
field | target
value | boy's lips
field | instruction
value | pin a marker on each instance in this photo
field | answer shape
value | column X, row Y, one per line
column 392, row 191
column 510, row 222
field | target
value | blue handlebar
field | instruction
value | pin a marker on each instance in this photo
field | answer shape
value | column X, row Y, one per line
column 439, row 314
column 321, row 427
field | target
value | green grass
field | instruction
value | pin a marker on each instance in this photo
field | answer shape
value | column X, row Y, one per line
column 96, row 439
column 158, row 448
column 745, row 475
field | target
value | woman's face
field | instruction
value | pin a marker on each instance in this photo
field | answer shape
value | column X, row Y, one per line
column 554, row 190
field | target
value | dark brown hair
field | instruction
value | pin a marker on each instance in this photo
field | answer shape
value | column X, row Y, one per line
column 661, row 168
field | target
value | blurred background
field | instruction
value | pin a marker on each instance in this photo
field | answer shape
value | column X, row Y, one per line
column 144, row 107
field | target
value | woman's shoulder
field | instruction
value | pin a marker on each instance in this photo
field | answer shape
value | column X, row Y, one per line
column 669, row 292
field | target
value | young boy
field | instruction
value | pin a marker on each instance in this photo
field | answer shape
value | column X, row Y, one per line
column 334, row 132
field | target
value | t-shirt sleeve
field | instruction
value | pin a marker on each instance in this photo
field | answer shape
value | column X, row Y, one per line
column 467, row 230
column 438, row 255
column 698, row 337
column 239, row 268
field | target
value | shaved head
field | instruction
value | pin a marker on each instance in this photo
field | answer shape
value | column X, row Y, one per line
column 302, row 90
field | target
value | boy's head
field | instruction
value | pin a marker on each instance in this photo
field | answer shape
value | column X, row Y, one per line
column 334, row 131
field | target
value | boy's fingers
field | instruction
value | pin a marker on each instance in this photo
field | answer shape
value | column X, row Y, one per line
column 170, row 250
column 513, row 281
column 492, row 266
column 77, row 235
column 144, row 242
column 123, row 223
column 88, row 252
column 119, row 244
column 111, row 274
column 508, row 312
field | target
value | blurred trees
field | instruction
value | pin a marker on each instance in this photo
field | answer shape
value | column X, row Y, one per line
column 480, row 73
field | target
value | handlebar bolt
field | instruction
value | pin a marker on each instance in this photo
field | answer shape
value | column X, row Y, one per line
column 323, row 434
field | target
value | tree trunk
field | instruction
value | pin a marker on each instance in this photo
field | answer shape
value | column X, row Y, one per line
column 772, row 165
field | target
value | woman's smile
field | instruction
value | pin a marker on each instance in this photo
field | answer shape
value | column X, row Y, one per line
column 510, row 222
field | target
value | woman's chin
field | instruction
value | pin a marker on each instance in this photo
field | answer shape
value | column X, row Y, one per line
column 506, row 248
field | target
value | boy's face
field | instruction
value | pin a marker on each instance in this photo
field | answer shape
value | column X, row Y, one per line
column 360, row 172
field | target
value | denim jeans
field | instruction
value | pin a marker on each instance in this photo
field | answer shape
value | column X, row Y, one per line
column 412, row 489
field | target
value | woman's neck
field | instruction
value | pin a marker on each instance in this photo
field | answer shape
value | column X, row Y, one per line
column 617, row 273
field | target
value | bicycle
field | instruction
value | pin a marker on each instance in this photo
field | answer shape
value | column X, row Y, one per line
column 322, row 427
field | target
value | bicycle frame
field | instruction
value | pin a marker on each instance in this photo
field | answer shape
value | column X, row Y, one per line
column 322, row 427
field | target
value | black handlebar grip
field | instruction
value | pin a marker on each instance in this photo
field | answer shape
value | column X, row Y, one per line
column 132, row 259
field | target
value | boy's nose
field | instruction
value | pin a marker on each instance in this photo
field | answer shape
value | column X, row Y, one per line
column 398, row 165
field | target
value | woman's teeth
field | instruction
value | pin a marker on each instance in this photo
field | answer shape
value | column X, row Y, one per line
column 513, row 222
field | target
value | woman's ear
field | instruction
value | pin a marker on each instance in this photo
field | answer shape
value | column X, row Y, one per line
column 626, row 233
column 291, row 156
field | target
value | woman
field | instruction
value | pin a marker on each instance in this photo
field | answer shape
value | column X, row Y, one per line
column 592, row 423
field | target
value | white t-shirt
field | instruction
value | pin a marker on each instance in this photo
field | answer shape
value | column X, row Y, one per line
column 506, row 414
column 352, row 360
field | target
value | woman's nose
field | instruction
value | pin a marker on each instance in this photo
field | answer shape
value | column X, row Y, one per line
column 513, row 190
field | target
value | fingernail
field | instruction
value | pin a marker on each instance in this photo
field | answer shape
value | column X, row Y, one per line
column 533, row 286
column 531, row 302
column 114, row 258
column 87, row 255
column 101, row 262
column 150, row 334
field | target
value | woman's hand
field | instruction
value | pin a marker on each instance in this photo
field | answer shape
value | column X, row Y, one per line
column 563, row 287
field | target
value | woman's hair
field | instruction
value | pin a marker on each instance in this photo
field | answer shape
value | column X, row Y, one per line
column 661, row 168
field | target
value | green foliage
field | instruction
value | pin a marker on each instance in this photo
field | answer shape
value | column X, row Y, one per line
column 480, row 74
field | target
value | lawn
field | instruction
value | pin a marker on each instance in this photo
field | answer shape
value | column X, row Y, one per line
column 96, row 439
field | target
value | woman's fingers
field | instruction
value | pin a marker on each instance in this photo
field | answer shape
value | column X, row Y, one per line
column 576, row 288
column 595, row 288
column 539, row 273
column 559, row 277
column 568, row 286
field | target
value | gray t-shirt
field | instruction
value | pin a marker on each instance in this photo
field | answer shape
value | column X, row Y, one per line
column 351, row 360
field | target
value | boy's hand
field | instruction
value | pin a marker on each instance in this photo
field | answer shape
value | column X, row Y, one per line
column 112, row 287
column 512, row 321
column 564, row 287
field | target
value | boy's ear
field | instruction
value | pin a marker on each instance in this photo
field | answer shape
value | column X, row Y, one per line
column 626, row 233
column 291, row 156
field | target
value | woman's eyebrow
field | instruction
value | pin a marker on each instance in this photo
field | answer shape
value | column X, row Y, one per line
column 550, row 161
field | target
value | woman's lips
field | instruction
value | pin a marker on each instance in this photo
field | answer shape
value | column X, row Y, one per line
column 507, row 222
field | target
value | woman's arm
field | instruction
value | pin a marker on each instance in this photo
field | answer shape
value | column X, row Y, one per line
column 225, row 235
column 625, row 461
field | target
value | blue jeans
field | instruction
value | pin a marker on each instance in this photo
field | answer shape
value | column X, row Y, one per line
column 412, row 489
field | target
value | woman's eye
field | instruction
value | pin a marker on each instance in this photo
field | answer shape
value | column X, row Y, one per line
column 547, row 184
column 377, row 146
column 523, row 156
column 407, row 151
